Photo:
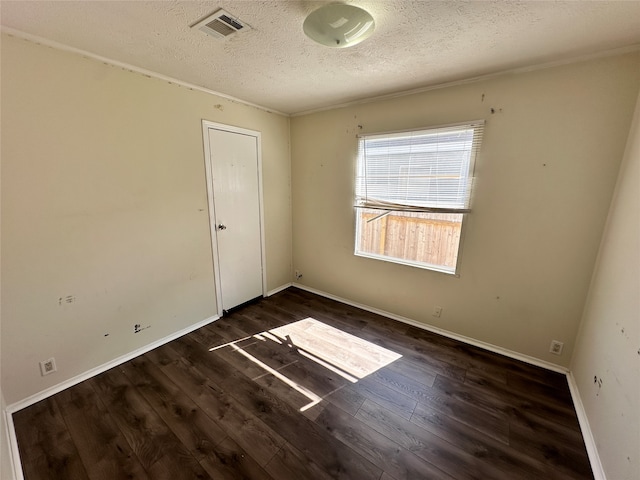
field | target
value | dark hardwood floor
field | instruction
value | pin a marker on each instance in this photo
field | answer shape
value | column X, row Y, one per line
column 308, row 400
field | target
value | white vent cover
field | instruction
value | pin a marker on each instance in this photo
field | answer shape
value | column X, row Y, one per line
column 221, row 24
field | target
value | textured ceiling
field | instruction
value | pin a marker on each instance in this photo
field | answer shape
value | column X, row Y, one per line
column 416, row 43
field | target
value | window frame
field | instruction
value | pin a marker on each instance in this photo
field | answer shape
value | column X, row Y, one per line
column 478, row 132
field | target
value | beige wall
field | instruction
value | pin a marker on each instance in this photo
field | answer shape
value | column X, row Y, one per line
column 104, row 199
column 545, row 177
column 608, row 345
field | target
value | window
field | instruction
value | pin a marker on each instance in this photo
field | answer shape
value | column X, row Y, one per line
column 412, row 194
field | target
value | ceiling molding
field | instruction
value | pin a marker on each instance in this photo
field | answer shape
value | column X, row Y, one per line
column 132, row 68
column 542, row 66
column 417, row 46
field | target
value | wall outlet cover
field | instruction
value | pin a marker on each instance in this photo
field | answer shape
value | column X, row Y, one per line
column 48, row 366
column 556, row 347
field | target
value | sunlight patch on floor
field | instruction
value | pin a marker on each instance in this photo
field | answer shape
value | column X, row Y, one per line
column 349, row 353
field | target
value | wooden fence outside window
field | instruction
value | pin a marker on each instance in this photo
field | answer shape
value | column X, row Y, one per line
column 430, row 238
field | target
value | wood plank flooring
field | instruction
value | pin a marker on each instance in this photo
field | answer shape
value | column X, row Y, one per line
column 234, row 401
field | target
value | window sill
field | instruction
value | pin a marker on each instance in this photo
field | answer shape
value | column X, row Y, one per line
column 423, row 266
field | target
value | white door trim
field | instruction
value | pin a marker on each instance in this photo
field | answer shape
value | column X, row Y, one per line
column 206, row 125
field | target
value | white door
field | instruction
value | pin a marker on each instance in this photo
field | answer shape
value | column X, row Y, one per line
column 235, row 208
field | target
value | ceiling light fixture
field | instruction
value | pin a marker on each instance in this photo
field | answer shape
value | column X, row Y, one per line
column 338, row 25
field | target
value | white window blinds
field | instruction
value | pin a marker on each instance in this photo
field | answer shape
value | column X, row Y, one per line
column 424, row 170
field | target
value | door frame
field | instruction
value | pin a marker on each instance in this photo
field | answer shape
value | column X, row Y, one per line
column 206, row 125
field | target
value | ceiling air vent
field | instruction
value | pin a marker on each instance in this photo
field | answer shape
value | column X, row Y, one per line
column 221, row 24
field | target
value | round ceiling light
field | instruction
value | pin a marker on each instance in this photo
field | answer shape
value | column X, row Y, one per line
column 338, row 25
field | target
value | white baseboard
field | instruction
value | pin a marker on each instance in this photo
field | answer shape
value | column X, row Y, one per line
column 14, row 407
column 587, row 434
column 594, row 458
column 445, row 333
column 16, row 466
column 590, row 444
column 279, row 289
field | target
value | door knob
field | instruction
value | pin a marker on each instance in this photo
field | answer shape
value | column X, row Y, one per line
column 222, row 227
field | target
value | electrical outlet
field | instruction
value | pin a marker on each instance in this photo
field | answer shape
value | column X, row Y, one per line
column 556, row 347
column 298, row 274
column 48, row 366
column 437, row 311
